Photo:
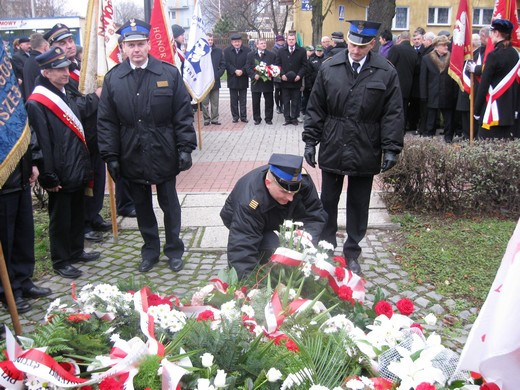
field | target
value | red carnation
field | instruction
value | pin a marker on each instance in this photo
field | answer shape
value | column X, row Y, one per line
column 80, row 317
column 291, row 346
column 206, row 315
column 345, row 293
column 243, row 289
column 340, row 260
column 382, row 384
column 418, row 326
column 111, row 383
column 339, row 272
column 425, row 386
column 383, row 307
column 278, row 339
column 405, row 306
column 489, row 386
column 156, row 300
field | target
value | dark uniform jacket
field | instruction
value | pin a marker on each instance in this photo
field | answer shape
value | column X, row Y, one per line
column 145, row 125
column 354, row 118
column 340, row 46
column 438, row 88
column 65, row 158
column 219, row 65
column 313, row 66
column 234, row 62
column 404, row 58
column 253, row 59
column 498, row 64
column 18, row 62
column 295, row 63
column 31, row 71
column 463, row 96
column 250, row 212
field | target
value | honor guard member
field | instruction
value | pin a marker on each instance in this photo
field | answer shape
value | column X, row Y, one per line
column 355, row 113
column 146, row 135
column 65, row 165
column 259, row 204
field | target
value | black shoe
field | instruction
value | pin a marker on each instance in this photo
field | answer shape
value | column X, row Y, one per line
column 85, row 257
column 94, row 236
column 354, row 266
column 235, row 120
column 147, row 265
column 287, row 123
column 104, row 226
column 216, row 123
column 130, row 214
column 269, row 122
column 37, row 292
column 206, row 123
column 295, row 122
column 68, row 271
column 257, row 122
column 244, row 120
column 22, row 306
column 175, row 264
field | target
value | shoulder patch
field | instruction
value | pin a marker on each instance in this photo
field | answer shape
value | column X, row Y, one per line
column 253, row 204
column 304, row 172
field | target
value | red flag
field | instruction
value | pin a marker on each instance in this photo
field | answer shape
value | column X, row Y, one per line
column 461, row 48
column 505, row 9
column 160, row 39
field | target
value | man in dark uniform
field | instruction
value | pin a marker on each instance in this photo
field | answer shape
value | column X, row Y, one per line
column 355, row 113
column 258, row 205
column 237, row 81
column 31, row 70
column 146, row 135
column 65, row 166
column 19, row 59
column 259, row 86
column 338, row 44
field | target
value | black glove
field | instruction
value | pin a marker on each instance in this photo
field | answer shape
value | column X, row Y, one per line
column 310, row 155
column 113, row 169
column 389, row 160
column 184, row 161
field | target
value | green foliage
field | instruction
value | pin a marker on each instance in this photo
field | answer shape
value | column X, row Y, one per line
column 434, row 176
column 54, row 336
column 224, row 26
column 147, row 376
column 134, row 283
column 43, row 264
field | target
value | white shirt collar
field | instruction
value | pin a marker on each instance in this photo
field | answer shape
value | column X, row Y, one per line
column 361, row 62
column 142, row 66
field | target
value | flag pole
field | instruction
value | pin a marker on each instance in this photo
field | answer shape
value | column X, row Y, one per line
column 113, row 211
column 8, row 292
column 198, row 125
column 472, row 85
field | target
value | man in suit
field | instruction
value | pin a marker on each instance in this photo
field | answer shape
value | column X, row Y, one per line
column 235, row 57
column 404, row 58
column 258, row 85
column 414, row 108
column 219, row 66
column 279, row 44
column 293, row 60
column 31, row 70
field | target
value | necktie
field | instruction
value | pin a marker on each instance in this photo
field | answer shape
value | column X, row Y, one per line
column 291, row 49
column 138, row 72
column 260, row 54
column 237, row 50
column 355, row 66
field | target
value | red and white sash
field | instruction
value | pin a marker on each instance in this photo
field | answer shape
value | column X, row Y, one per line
column 74, row 75
column 491, row 116
column 59, row 108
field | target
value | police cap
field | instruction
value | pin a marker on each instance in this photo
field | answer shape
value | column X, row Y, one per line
column 287, row 171
column 54, row 58
column 502, row 25
column 134, row 30
column 57, row 33
column 362, row 32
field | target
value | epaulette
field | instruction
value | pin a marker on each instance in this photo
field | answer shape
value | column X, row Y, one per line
column 327, row 60
column 253, row 204
column 304, row 172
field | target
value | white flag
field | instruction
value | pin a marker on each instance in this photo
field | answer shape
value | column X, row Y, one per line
column 493, row 345
column 198, row 68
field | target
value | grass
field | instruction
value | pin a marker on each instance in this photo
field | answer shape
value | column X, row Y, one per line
column 459, row 256
column 42, row 253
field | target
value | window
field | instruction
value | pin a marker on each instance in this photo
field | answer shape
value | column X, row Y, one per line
column 439, row 15
column 482, row 16
column 172, row 15
column 400, row 21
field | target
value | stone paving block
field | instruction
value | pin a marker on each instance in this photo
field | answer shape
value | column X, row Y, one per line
column 422, row 302
column 434, row 295
column 204, row 200
column 393, row 286
column 392, row 276
column 215, row 237
column 437, row 309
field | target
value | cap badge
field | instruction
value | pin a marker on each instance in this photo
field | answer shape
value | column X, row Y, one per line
column 360, row 27
column 133, row 25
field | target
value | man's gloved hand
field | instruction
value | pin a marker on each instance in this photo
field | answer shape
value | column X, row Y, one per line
column 389, row 160
column 470, row 66
column 477, row 117
column 113, row 169
column 184, row 161
column 310, row 154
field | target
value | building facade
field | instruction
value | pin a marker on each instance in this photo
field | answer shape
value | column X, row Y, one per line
column 180, row 12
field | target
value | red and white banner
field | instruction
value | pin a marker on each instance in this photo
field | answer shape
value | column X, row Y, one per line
column 160, row 37
column 493, row 345
column 505, row 9
column 461, row 49
column 147, row 321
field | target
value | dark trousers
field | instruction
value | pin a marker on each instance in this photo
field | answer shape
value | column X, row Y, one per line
column 124, row 201
column 278, row 95
column 269, row 102
column 94, row 204
column 169, row 203
column 305, row 99
column 66, row 223
column 238, row 99
column 447, row 115
column 358, row 202
column 464, row 119
column 405, row 111
column 291, row 103
column 17, row 238
column 414, row 114
column 423, row 119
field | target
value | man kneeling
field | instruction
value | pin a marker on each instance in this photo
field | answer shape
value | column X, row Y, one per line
column 258, row 205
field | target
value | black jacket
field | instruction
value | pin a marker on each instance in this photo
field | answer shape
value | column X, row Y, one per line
column 340, row 46
column 498, row 64
column 404, row 58
column 295, row 63
column 254, row 59
column 31, row 71
column 18, row 62
column 145, row 126
column 355, row 118
column 438, row 88
column 65, row 158
column 219, row 65
column 313, row 66
column 250, row 212
column 463, row 96
column 235, row 62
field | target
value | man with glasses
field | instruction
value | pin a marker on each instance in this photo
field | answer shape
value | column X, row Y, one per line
column 258, row 205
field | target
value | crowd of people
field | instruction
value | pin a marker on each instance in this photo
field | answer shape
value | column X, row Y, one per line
column 356, row 105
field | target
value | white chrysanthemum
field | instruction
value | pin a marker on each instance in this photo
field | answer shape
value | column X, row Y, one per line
column 310, row 251
column 320, row 263
column 288, row 224
column 318, row 387
column 115, row 337
column 355, row 384
column 228, row 310
column 307, row 269
column 326, row 245
column 292, row 294
column 252, row 293
column 337, row 323
column 248, row 310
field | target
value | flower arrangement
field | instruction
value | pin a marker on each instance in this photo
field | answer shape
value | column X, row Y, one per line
column 302, row 325
column 267, row 72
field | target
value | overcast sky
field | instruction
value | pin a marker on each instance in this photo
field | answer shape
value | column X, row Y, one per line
column 80, row 7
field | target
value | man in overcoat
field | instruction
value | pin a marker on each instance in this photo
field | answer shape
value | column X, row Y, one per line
column 219, row 67
column 355, row 114
column 146, row 135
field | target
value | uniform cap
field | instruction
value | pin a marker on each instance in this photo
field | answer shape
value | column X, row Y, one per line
column 177, row 31
column 236, row 37
column 309, row 48
column 57, row 33
column 338, row 35
column 361, row 32
column 502, row 25
column 134, row 30
column 23, row 40
column 319, row 48
column 287, row 171
column 54, row 58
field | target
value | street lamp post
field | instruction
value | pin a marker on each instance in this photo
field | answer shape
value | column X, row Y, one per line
column 147, row 10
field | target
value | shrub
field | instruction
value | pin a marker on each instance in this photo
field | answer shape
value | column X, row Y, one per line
column 434, row 176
